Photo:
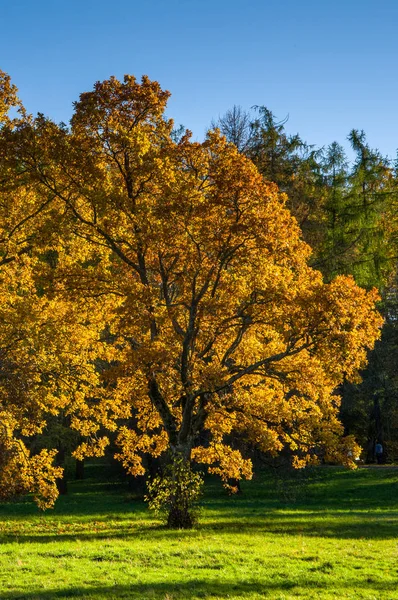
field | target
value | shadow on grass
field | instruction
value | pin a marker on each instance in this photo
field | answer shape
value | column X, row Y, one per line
column 196, row 588
column 339, row 504
column 342, row 525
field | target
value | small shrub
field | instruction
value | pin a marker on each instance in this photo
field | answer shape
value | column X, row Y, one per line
column 174, row 495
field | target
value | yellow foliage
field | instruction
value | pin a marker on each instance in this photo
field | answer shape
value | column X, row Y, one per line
column 165, row 290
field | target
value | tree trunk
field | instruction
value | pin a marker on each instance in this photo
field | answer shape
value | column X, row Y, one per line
column 62, row 483
column 79, row 469
column 235, row 483
column 184, row 490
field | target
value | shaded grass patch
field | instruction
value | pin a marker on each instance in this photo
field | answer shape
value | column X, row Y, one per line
column 336, row 538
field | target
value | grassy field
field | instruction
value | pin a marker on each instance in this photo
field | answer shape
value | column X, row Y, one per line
column 329, row 535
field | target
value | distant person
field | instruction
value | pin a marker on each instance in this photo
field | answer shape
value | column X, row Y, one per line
column 379, row 453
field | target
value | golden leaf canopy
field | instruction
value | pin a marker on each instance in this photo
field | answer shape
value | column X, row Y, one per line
column 186, row 282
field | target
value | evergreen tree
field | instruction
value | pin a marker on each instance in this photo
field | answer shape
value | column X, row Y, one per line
column 371, row 189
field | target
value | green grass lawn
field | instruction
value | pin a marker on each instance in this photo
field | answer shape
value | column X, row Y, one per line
column 331, row 535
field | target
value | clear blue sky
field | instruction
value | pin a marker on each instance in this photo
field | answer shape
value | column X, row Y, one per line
column 330, row 64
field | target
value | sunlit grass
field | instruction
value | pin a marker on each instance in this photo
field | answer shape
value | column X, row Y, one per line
column 333, row 535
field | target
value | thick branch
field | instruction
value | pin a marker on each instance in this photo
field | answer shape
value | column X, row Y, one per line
column 164, row 411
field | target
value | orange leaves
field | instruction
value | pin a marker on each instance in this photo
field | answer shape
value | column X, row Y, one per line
column 126, row 103
column 167, row 289
column 133, row 445
column 220, row 306
column 95, row 446
column 223, row 461
column 344, row 316
column 20, row 472
column 8, row 98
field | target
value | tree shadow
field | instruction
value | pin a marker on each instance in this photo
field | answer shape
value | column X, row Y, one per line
column 339, row 504
column 200, row 588
column 341, row 525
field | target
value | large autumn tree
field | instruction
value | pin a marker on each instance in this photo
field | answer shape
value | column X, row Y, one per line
column 214, row 321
